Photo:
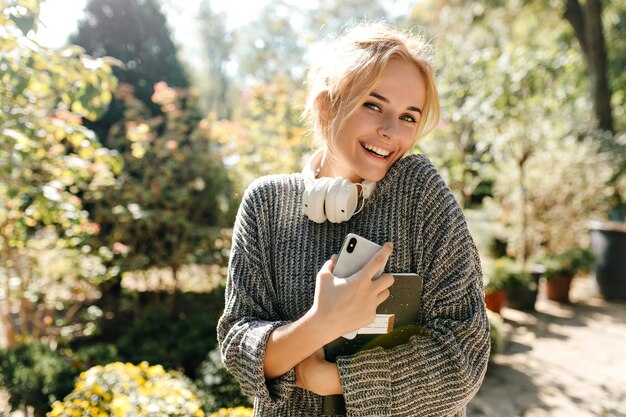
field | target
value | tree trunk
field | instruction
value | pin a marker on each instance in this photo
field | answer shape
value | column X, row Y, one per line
column 524, row 214
column 587, row 25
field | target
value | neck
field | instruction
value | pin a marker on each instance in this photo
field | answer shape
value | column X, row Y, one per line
column 329, row 167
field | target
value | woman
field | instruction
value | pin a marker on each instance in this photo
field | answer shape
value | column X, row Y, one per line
column 371, row 96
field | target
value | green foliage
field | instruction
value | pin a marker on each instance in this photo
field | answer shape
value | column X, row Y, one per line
column 47, row 158
column 176, row 343
column 221, row 388
column 86, row 357
column 496, row 334
column 507, row 274
column 173, row 192
column 268, row 137
column 125, row 390
column 233, row 412
column 570, row 262
column 217, row 87
column 136, row 33
column 35, row 375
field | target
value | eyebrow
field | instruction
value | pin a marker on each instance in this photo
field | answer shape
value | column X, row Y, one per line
column 386, row 100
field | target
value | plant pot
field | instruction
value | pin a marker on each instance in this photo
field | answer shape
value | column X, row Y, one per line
column 557, row 288
column 495, row 300
column 608, row 242
column 523, row 297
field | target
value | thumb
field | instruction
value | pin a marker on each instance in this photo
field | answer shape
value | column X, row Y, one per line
column 328, row 265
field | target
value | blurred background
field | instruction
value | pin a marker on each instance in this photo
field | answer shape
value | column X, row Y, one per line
column 129, row 130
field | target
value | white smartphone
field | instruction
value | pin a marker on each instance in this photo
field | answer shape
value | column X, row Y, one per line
column 355, row 252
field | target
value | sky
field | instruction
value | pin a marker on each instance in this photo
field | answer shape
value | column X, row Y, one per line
column 59, row 18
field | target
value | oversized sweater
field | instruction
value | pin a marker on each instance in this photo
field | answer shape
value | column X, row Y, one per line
column 276, row 254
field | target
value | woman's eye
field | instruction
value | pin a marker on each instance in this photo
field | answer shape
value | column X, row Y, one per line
column 371, row 106
column 408, row 118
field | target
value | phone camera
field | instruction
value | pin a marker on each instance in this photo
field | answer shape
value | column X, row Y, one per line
column 351, row 245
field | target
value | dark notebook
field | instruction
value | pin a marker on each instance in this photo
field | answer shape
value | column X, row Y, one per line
column 404, row 302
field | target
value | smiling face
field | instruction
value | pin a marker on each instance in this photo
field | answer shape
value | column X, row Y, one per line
column 382, row 129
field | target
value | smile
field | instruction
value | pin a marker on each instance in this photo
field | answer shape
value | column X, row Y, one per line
column 376, row 151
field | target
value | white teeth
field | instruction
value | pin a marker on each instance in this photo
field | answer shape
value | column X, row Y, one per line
column 377, row 150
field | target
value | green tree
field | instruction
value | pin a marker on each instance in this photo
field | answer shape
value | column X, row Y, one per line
column 586, row 20
column 47, row 159
column 136, row 33
column 215, row 84
column 167, row 204
column 271, row 46
column 268, row 136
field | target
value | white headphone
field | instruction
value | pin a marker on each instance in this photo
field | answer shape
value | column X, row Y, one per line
column 332, row 199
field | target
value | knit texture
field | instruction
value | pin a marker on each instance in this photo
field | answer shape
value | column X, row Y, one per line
column 276, row 254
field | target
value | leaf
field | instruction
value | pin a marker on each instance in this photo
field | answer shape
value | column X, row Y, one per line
column 24, row 23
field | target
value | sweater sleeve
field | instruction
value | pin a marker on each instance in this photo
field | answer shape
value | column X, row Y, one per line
column 250, row 313
column 438, row 371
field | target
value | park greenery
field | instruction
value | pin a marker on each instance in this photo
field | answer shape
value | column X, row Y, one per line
column 122, row 165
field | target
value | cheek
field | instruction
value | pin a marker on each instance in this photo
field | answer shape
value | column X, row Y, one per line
column 408, row 139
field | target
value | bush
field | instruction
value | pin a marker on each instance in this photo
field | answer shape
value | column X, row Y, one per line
column 125, row 390
column 176, row 343
column 568, row 263
column 221, row 388
column 233, row 412
column 495, row 333
column 100, row 354
column 35, row 375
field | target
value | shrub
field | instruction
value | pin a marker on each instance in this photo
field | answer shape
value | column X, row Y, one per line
column 176, row 343
column 86, row 357
column 221, row 388
column 35, row 375
column 495, row 333
column 233, row 412
column 125, row 390
column 568, row 263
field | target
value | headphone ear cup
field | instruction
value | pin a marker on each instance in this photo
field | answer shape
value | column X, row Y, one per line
column 313, row 199
column 342, row 199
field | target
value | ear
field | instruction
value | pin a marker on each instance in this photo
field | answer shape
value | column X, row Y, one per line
column 323, row 108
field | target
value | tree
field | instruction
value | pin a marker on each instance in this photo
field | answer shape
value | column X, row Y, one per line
column 268, row 137
column 511, row 87
column 586, row 20
column 173, row 192
column 331, row 16
column 136, row 33
column 461, row 146
column 215, row 84
column 270, row 46
column 47, row 160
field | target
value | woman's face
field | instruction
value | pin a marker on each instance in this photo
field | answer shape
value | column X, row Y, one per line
column 382, row 129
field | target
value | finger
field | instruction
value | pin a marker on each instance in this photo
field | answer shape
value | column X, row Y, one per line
column 378, row 260
column 333, row 261
column 328, row 266
column 382, row 296
column 383, row 282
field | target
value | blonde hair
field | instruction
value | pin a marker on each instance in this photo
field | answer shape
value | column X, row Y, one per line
column 345, row 71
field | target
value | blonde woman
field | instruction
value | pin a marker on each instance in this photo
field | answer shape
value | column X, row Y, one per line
column 372, row 94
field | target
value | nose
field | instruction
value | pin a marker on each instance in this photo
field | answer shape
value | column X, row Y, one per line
column 387, row 128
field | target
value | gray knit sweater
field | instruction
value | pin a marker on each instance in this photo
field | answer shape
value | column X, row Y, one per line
column 276, row 254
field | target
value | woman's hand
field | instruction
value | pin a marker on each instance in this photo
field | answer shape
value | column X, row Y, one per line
column 341, row 305
column 318, row 376
column 346, row 304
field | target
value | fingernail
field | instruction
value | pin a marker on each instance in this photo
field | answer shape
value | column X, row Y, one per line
column 390, row 245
